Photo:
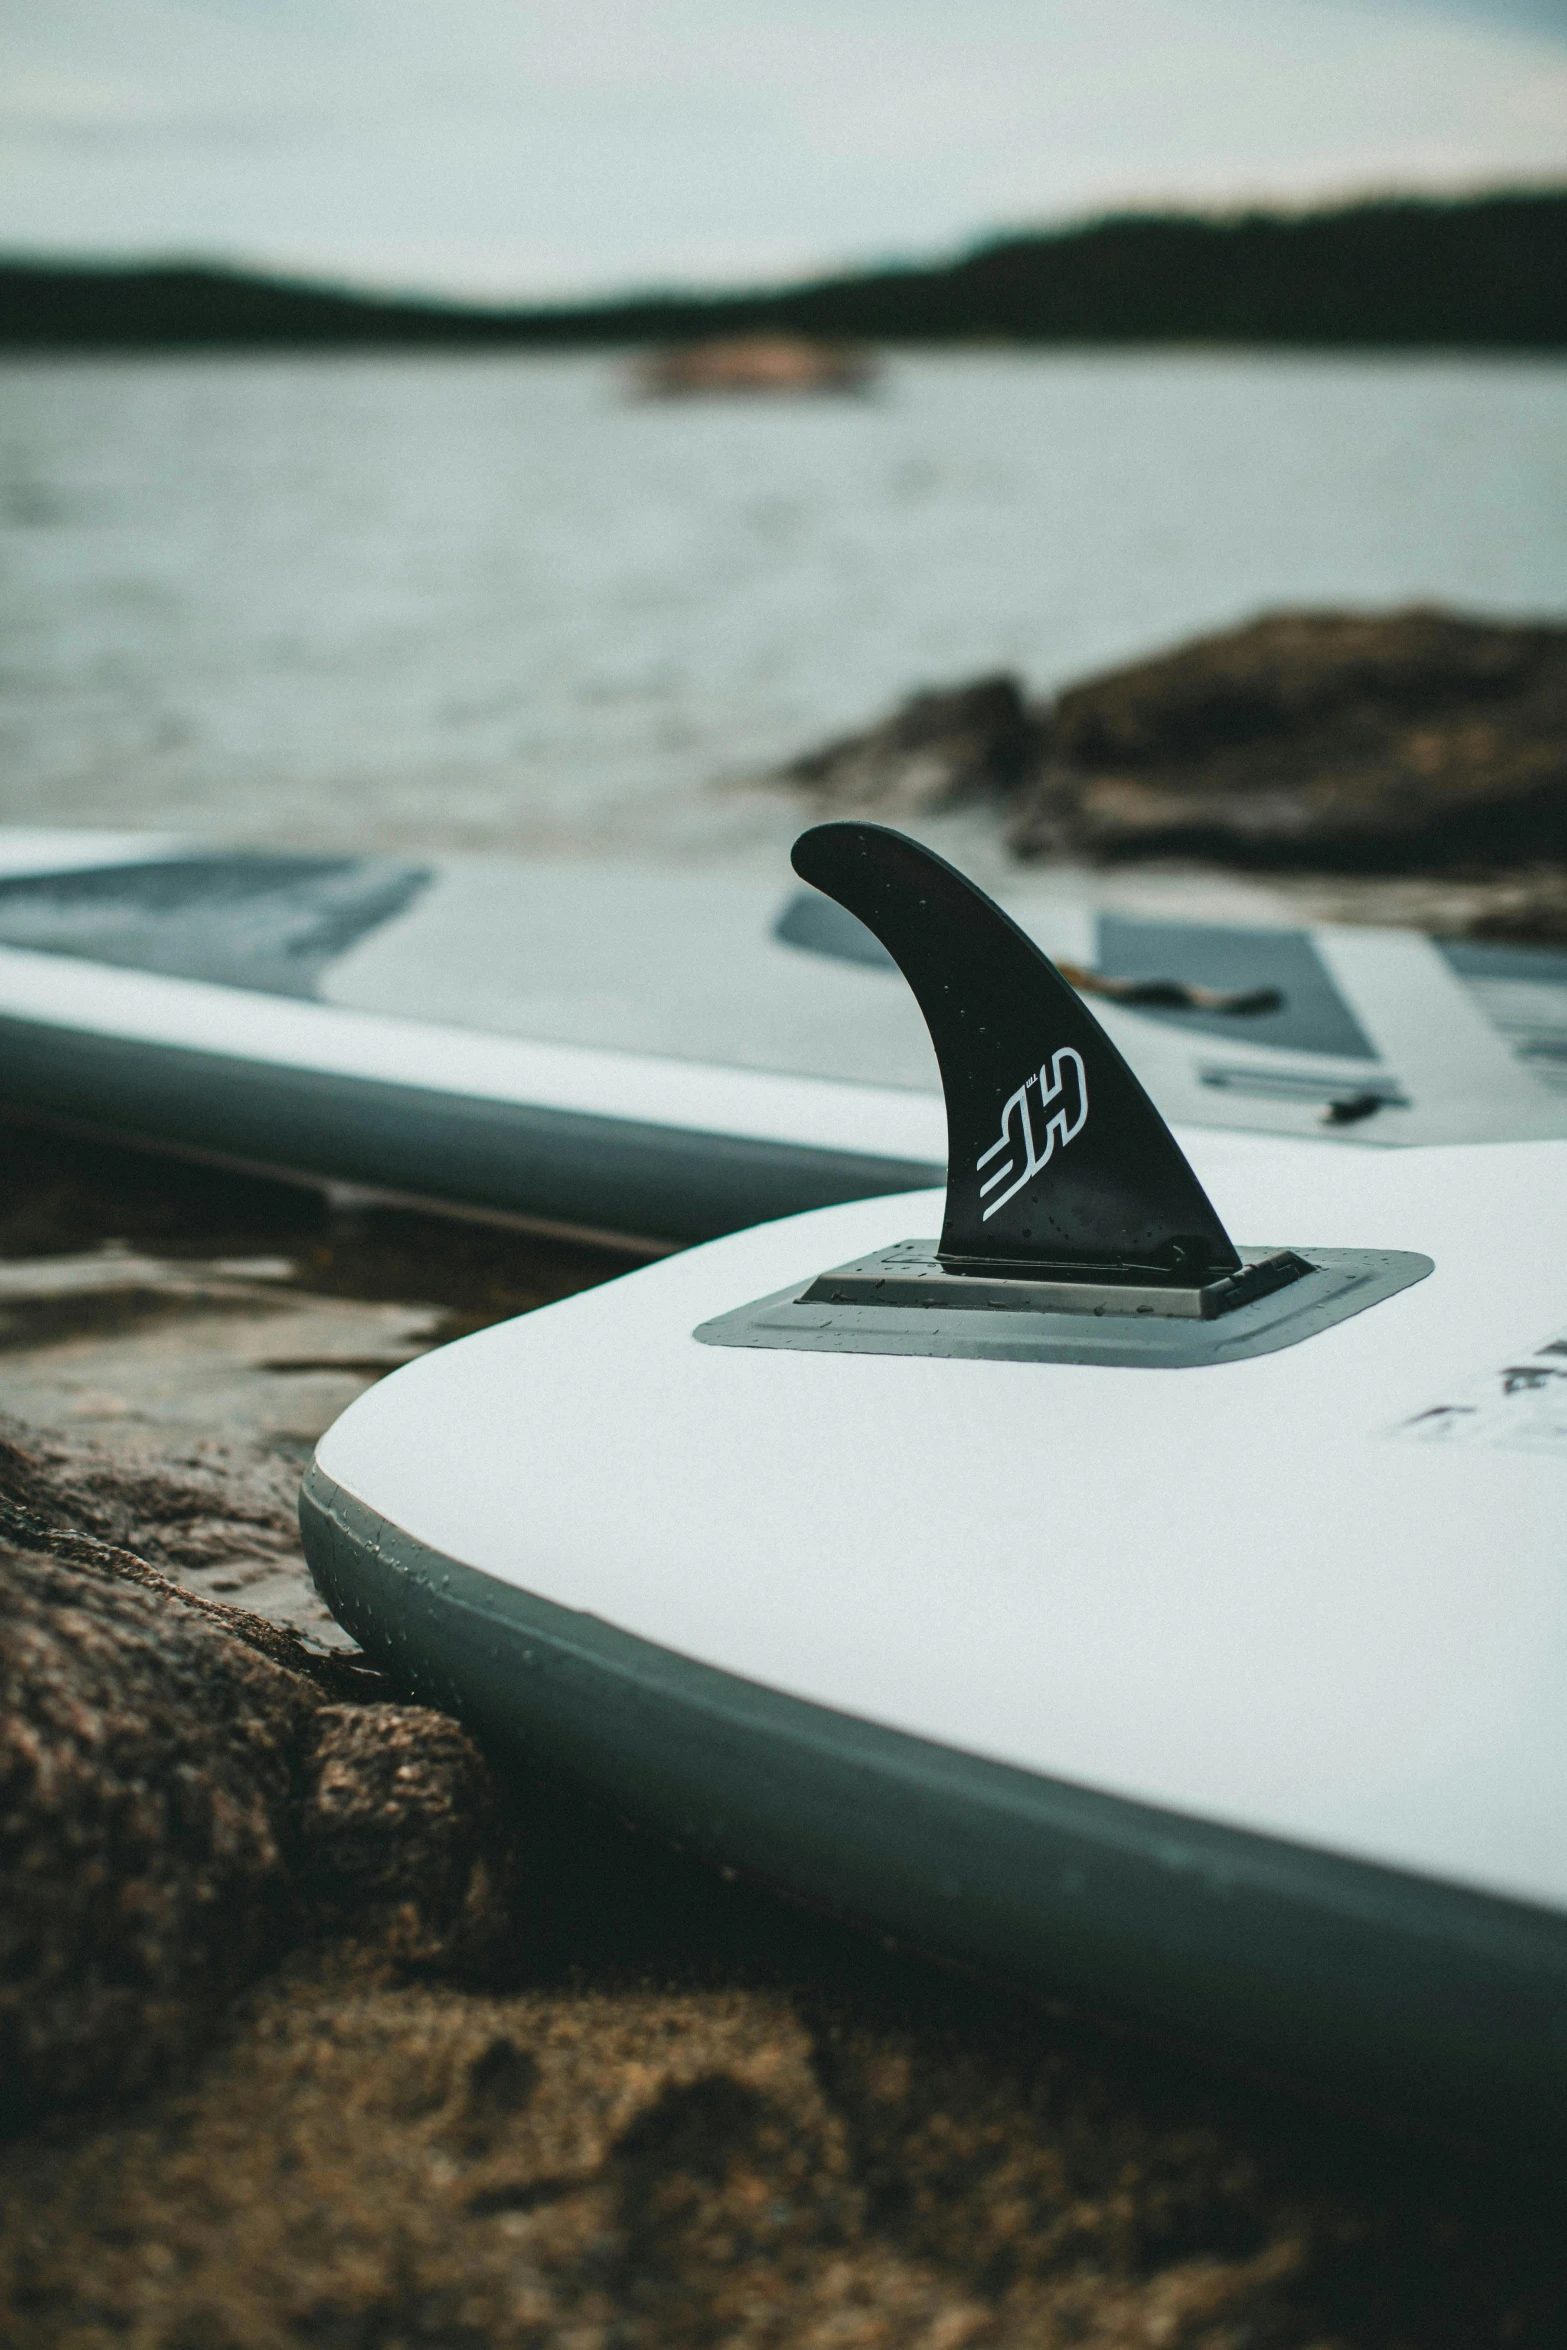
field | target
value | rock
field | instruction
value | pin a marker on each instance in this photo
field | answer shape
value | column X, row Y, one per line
column 152, row 1522
column 937, row 750
column 186, row 1789
column 1321, row 739
column 360, row 2165
column 364, row 2161
column 176, row 1513
column 219, row 1518
column 1414, row 741
column 148, row 1767
column 1529, row 909
column 194, row 1332
column 401, row 1834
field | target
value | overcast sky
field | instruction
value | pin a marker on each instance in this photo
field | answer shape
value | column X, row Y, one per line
column 539, row 146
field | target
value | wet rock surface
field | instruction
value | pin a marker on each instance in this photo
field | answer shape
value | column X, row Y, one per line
column 1329, row 742
column 165, row 1327
column 147, row 1766
column 186, row 1789
column 321, row 2027
column 196, row 1767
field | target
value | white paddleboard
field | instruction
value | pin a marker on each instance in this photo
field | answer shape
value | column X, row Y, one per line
column 668, row 1055
column 1224, row 1689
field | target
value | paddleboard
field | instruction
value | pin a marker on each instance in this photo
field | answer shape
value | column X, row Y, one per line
column 668, row 1055
column 1173, row 1622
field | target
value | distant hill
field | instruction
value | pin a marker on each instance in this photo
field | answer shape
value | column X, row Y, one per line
column 1487, row 272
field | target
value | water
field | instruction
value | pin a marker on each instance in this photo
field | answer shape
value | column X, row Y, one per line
column 470, row 603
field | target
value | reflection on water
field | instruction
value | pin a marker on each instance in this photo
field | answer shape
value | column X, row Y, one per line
column 478, row 601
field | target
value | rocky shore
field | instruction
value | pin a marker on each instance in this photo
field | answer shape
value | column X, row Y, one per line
column 1363, row 747
column 319, row 2026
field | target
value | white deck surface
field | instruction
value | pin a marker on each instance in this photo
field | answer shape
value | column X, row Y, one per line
column 1247, row 1592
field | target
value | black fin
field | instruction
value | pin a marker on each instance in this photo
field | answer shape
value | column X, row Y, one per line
column 1056, row 1156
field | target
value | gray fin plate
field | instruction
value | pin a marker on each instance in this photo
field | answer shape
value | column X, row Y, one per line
column 1342, row 1282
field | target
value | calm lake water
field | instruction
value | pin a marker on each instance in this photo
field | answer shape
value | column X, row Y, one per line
column 481, row 602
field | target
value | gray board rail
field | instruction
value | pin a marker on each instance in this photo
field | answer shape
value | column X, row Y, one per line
column 574, row 1169
column 1371, row 1984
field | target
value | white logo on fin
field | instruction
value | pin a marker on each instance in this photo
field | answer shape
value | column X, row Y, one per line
column 1060, row 1127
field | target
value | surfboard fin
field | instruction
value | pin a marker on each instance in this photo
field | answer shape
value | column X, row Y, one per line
column 1059, row 1166
column 1075, row 1230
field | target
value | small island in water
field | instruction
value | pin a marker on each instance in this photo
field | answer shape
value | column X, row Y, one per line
column 786, row 365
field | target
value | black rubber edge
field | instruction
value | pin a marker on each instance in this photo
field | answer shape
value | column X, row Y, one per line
column 1344, row 1282
column 571, row 1167
column 1363, row 1982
